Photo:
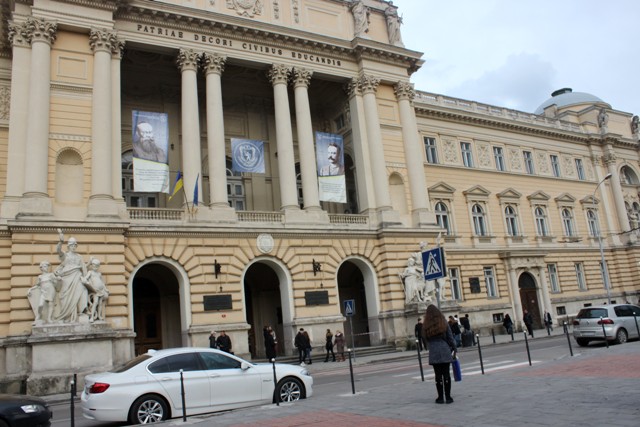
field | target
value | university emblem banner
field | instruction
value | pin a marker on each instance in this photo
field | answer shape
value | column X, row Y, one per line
column 247, row 155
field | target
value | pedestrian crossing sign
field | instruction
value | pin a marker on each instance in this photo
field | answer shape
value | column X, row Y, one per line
column 434, row 264
column 349, row 307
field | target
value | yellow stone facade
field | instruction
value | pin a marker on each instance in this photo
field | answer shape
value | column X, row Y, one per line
column 72, row 72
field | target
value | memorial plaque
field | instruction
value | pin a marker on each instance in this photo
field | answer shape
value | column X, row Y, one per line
column 316, row 297
column 217, row 302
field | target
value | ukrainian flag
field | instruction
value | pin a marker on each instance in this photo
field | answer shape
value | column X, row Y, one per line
column 177, row 186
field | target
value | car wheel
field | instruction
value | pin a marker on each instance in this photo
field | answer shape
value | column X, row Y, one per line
column 148, row 409
column 290, row 390
column 582, row 342
column 621, row 336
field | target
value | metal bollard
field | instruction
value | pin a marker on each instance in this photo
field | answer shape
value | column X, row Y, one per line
column 512, row 337
column 635, row 318
column 353, row 384
column 604, row 333
column 566, row 331
column 75, row 385
column 276, row 395
column 420, row 360
column 73, row 408
column 526, row 342
column 480, row 354
column 493, row 335
column 184, row 404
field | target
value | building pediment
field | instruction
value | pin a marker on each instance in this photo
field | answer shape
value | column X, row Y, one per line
column 509, row 193
column 477, row 191
column 441, row 188
column 565, row 198
column 539, row 196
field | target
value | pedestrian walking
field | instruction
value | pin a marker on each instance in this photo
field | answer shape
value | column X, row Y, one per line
column 338, row 341
column 308, row 346
column 329, row 346
column 418, row 334
column 300, row 341
column 442, row 351
column 527, row 318
column 508, row 323
column 548, row 321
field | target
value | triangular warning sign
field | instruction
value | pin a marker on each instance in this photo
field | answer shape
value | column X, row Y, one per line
column 432, row 266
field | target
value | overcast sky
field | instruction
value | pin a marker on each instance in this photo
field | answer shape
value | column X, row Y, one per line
column 514, row 53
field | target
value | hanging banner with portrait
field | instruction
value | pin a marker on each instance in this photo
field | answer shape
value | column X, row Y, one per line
column 330, row 160
column 150, row 152
column 247, row 155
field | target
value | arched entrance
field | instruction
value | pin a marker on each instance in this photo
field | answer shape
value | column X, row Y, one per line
column 156, row 308
column 356, row 281
column 529, row 298
column 263, row 294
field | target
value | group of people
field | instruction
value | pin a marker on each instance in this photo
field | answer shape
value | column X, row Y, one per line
column 221, row 342
column 302, row 342
column 527, row 319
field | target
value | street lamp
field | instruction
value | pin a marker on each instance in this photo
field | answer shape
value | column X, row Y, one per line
column 605, row 272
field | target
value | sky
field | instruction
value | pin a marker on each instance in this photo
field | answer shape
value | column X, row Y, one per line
column 514, row 53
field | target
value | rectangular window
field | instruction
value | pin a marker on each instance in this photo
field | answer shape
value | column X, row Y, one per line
column 498, row 156
column 490, row 282
column 454, row 279
column 497, row 317
column 552, row 269
column 582, row 284
column 528, row 162
column 555, row 165
column 430, row 148
column 467, row 155
column 580, row 169
column 561, row 311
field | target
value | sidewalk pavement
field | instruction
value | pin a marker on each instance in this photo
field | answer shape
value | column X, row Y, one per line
column 594, row 388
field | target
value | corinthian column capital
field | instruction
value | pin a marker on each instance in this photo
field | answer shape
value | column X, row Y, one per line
column 278, row 73
column 102, row 40
column 187, row 60
column 352, row 88
column 117, row 48
column 301, row 77
column 368, row 83
column 404, row 90
column 40, row 30
column 18, row 34
column 213, row 63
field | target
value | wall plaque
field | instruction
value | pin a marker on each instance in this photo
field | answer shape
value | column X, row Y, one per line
column 217, row 302
column 316, row 297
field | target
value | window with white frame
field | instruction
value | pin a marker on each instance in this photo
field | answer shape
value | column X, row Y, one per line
column 467, row 155
column 490, row 282
column 555, row 165
column 454, row 279
column 541, row 221
column 430, row 149
column 580, row 169
column 442, row 216
column 511, row 218
column 592, row 222
column 552, row 269
column 235, row 189
column 479, row 220
column 582, row 284
column 528, row 162
column 603, row 269
column 567, row 222
column 498, row 156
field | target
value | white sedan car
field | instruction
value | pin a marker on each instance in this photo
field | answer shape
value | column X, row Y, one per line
column 148, row 388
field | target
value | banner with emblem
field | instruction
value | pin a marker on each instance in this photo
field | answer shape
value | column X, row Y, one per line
column 330, row 160
column 247, row 155
column 150, row 152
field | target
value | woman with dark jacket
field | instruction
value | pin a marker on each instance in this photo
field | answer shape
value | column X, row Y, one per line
column 329, row 346
column 442, row 350
column 269, row 343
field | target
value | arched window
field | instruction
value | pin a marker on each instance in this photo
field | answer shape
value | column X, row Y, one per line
column 628, row 176
column 567, row 222
column 592, row 221
column 442, row 216
column 479, row 220
column 541, row 222
column 512, row 220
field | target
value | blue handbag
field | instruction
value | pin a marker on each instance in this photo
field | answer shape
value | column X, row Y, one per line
column 457, row 371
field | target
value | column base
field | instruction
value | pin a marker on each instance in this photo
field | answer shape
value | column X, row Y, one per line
column 35, row 205
column 225, row 214
column 387, row 218
column 423, row 219
column 101, row 207
column 10, row 207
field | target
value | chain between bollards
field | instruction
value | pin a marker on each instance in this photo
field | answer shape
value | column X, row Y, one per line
column 184, row 404
column 604, row 333
column 353, row 384
column 566, row 331
column 526, row 342
column 480, row 353
column 420, row 359
column 276, row 395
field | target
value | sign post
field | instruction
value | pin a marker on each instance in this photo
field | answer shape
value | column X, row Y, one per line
column 435, row 267
column 349, row 311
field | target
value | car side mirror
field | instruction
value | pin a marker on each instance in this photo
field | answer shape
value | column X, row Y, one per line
column 244, row 366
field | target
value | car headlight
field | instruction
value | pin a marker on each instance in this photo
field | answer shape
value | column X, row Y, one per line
column 30, row 409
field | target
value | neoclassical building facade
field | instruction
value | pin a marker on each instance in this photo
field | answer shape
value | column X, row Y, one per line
column 521, row 202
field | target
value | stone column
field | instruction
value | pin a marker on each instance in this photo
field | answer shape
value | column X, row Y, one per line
column 544, row 285
column 616, row 188
column 191, row 157
column 279, row 76
column 364, row 175
column 604, row 209
column 36, row 199
column 413, row 152
column 117, row 49
column 308, row 166
column 515, row 291
column 101, row 200
column 20, row 72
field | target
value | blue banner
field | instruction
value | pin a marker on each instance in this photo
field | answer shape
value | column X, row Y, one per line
column 247, row 155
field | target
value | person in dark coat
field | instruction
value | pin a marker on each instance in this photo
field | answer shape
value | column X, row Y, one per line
column 269, row 343
column 464, row 321
column 527, row 318
column 329, row 346
column 455, row 330
column 442, row 350
column 224, row 342
column 301, row 341
column 212, row 340
column 507, row 323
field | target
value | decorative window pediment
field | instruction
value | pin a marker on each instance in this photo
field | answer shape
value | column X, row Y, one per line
column 565, row 199
column 509, row 195
column 442, row 190
column 539, row 198
column 477, row 192
column 589, row 201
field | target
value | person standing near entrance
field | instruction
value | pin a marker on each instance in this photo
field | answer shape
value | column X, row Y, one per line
column 301, row 341
column 269, row 343
column 418, row 334
column 329, row 346
column 527, row 318
column 212, row 340
column 455, row 329
column 442, row 350
column 548, row 321
column 338, row 341
column 224, row 342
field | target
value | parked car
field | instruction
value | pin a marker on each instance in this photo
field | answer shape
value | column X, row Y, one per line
column 24, row 411
column 147, row 389
column 619, row 323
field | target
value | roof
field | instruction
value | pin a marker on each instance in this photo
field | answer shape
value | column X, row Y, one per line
column 567, row 97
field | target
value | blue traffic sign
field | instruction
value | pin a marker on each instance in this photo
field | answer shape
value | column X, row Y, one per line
column 434, row 264
column 349, row 307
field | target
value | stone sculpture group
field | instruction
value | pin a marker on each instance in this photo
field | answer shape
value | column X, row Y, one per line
column 416, row 288
column 74, row 292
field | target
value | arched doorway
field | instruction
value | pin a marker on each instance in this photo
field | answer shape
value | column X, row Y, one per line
column 356, row 281
column 263, row 305
column 529, row 298
column 156, row 309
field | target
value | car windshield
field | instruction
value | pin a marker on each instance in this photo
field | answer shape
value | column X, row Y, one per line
column 592, row 313
column 131, row 363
